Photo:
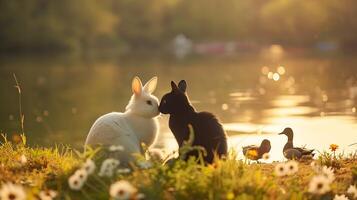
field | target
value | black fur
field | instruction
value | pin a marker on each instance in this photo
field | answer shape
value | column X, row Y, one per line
column 208, row 131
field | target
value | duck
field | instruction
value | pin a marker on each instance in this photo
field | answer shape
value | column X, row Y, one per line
column 290, row 152
column 257, row 151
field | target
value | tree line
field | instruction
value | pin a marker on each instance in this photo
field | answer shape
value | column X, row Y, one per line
column 71, row 25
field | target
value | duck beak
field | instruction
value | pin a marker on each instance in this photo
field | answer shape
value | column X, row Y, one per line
column 282, row 133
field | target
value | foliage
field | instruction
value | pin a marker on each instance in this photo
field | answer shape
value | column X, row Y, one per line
column 330, row 160
column 354, row 175
column 53, row 24
column 40, row 165
column 68, row 25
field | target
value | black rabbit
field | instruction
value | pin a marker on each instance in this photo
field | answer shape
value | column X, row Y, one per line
column 208, row 131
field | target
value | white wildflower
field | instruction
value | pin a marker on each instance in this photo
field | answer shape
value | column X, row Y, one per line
column 123, row 171
column 316, row 167
column 328, row 172
column 353, row 191
column 82, row 174
column 291, row 167
column 319, row 185
column 11, row 191
column 47, row 195
column 122, row 190
column 108, row 167
column 108, row 172
column 75, row 183
column 280, row 169
column 116, row 148
column 340, row 197
column 89, row 166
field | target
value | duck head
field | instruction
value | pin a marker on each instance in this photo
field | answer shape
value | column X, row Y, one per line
column 289, row 133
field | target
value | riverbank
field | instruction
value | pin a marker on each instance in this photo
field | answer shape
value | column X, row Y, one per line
column 44, row 169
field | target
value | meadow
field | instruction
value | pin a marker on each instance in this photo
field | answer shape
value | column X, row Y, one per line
column 65, row 173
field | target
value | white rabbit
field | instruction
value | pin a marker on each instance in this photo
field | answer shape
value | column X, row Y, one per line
column 138, row 124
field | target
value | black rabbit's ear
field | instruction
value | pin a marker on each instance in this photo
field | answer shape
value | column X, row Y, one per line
column 182, row 85
column 174, row 86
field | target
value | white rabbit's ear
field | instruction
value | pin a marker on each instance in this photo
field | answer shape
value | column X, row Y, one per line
column 136, row 86
column 150, row 86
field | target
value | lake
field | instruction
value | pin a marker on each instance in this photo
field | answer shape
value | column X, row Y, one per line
column 254, row 96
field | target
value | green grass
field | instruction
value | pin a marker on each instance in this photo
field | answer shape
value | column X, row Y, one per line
column 49, row 168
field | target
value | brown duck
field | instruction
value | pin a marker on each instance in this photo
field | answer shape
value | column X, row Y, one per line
column 291, row 152
column 254, row 152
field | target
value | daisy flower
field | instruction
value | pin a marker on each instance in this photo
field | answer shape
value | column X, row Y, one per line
column 353, row 191
column 47, row 195
column 316, row 167
column 340, row 197
column 75, row 183
column 291, row 167
column 11, row 191
column 81, row 174
column 89, row 166
column 319, row 185
column 280, row 169
column 328, row 172
column 122, row 190
column 108, row 166
column 116, row 148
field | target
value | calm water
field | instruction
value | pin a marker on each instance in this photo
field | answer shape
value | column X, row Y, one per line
column 62, row 97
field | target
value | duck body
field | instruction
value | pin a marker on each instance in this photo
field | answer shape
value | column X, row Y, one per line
column 290, row 152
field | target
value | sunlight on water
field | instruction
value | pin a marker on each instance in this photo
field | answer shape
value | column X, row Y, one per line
column 290, row 100
column 286, row 111
column 318, row 133
column 247, row 128
column 312, row 133
column 63, row 99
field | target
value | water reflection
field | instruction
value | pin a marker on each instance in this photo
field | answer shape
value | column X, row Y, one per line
column 63, row 98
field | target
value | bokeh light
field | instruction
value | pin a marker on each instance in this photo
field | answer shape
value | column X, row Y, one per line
column 281, row 70
column 276, row 77
column 225, row 106
column 265, row 70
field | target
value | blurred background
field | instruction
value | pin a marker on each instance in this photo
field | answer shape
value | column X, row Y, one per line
column 258, row 65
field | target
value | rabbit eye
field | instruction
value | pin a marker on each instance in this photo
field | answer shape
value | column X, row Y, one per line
column 149, row 102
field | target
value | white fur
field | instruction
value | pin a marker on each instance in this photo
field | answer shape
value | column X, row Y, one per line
column 138, row 124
